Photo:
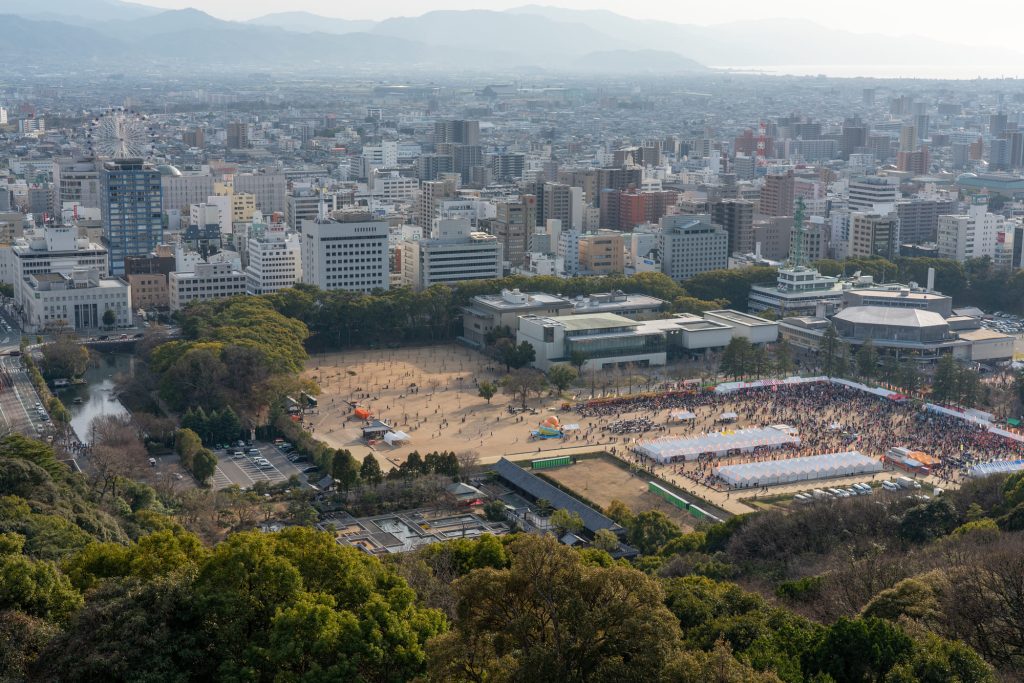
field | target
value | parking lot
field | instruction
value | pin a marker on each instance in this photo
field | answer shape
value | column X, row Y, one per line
column 243, row 470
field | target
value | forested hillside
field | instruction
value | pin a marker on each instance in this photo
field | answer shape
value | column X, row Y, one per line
column 115, row 588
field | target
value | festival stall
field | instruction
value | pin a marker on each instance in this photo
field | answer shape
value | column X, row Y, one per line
column 676, row 449
column 682, row 416
column 996, row 467
column 772, row 472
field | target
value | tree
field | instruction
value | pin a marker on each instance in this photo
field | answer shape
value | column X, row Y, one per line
column 565, row 522
column 561, row 376
column 606, row 540
column 855, row 650
column 204, row 465
column 520, row 356
column 759, row 362
column 344, row 469
column 370, row 471
column 651, row 530
column 187, row 443
column 783, row 358
column 522, row 383
column 486, row 390
column 829, row 349
column 109, row 318
column 841, row 365
column 550, row 616
column 867, row 360
column 737, row 359
column 577, row 359
column 944, row 383
column 64, row 358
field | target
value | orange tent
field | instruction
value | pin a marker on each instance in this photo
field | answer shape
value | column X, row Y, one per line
column 362, row 413
column 924, row 458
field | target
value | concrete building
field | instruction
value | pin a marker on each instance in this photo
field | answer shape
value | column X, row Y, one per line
column 208, row 281
column 513, row 225
column 55, row 249
column 268, row 188
column 691, row 244
column 919, row 218
column 867, row 192
column 303, row 204
column 275, row 261
column 797, row 292
column 568, row 249
column 182, row 189
column 754, row 329
column 777, row 195
column 238, row 135
column 874, row 234
column 607, row 340
column 976, row 234
column 77, row 300
column 488, row 312
column 455, row 253
column 76, row 181
column 564, row 203
column 602, row 253
column 147, row 276
column 131, row 208
column 736, row 216
column 348, row 252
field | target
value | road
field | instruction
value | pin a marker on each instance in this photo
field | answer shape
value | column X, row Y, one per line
column 18, row 400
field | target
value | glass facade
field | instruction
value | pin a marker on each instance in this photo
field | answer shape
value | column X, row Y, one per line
column 610, row 346
column 131, row 207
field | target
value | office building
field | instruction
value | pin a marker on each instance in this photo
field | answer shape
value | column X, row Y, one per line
column 130, row 206
column 867, row 192
column 976, row 234
column 268, row 188
column 303, row 204
column 182, row 189
column 275, row 261
column 207, row 281
column 434, row 166
column 736, row 216
column 76, row 181
column 777, row 195
column 77, row 300
column 349, row 252
column 606, row 340
column 874, row 234
column 238, row 135
column 148, row 276
column 454, row 253
column 919, row 218
column 563, row 203
column 457, row 131
column 513, row 225
column 602, row 253
column 691, row 244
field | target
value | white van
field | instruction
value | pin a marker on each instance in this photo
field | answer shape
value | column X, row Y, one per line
column 890, row 486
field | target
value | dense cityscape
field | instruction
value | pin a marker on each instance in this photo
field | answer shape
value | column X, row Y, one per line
column 539, row 344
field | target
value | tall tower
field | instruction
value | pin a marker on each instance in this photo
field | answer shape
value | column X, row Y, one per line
column 130, row 205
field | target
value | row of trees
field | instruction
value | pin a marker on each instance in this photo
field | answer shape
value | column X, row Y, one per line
column 199, row 461
column 215, row 427
column 743, row 359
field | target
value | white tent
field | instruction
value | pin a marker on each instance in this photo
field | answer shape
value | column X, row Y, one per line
column 682, row 415
column 826, row 466
column 674, row 449
column 396, row 437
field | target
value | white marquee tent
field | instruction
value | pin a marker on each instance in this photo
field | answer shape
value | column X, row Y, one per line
column 675, row 449
column 826, row 466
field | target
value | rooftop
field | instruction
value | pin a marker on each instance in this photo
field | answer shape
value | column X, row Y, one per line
column 593, row 321
column 884, row 315
column 984, row 335
column 741, row 318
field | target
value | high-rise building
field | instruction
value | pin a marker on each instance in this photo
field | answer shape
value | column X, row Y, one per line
column 433, row 166
column 194, row 137
column 915, row 162
column 919, row 218
column 972, row 235
column 348, row 253
column 274, row 261
column 457, row 131
column 181, row 190
column 874, row 234
column 737, row 217
column 130, row 207
column 76, row 181
column 564, row 203
column 454, row 253
column 690, row 245
column 777, row 195
column 514, row 223
column 268, row 188
column 866, row 192
column 506, row 167
column 997, row 125
column 238, row 135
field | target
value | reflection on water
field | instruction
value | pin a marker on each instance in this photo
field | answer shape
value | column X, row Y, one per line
column 97, row 394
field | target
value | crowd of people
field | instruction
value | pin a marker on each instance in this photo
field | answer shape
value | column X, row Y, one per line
column 829, row 418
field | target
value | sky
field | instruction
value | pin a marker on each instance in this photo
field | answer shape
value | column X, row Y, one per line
column 988, row 22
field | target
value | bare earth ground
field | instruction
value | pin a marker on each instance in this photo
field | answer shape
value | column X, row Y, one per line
column 603, row 482
column 430, row 394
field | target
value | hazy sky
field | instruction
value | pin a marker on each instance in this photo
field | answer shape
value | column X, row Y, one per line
column 995, row 21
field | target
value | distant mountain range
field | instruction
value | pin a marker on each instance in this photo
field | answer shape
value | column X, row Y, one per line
column 548, row 38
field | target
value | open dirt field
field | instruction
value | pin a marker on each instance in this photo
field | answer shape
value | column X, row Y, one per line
column 603, row 482
column 430, row 394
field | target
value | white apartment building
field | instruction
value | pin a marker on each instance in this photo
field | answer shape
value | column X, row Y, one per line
column 974, row 235
column 275, row 261
column 208, row 281
column 76, row 300
column 454, row 254
column 348, row 253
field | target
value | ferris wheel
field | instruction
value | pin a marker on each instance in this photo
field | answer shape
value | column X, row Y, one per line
column 120, row 134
